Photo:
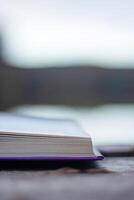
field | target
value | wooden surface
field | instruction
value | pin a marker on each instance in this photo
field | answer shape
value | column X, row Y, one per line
column 112, row 179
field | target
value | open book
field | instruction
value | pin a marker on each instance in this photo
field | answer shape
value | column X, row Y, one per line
column 40, row 138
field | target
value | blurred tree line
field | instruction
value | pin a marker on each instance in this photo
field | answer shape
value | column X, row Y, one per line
column 76, row 85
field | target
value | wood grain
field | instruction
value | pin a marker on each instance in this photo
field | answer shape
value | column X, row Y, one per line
column 113, row 178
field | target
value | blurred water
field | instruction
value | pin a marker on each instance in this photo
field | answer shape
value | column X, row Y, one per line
column 109, row 124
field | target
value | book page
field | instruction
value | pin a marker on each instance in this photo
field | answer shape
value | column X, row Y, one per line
column 11, row 123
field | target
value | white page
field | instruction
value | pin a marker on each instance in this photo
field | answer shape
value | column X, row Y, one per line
column 10, row 123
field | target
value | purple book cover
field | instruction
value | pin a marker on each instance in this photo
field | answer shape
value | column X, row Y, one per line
column 96, row 156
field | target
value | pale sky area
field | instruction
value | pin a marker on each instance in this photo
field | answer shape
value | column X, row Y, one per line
column 59, row 32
